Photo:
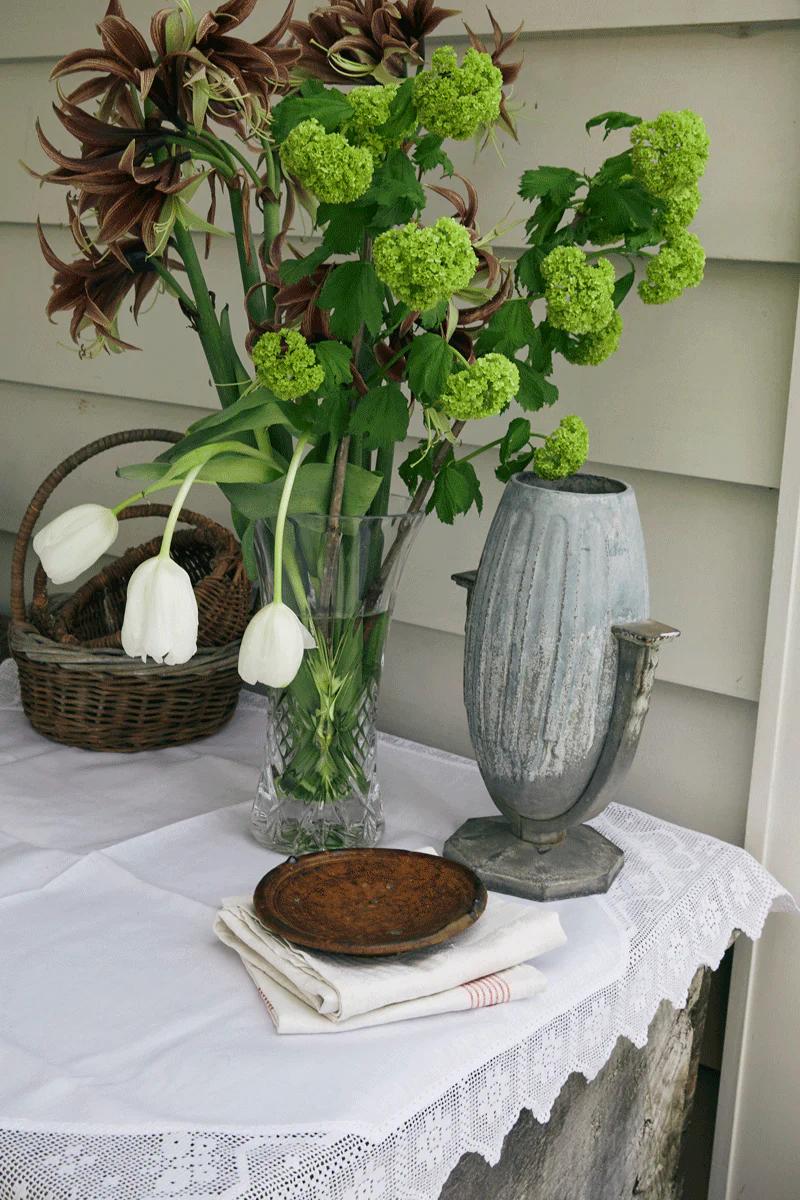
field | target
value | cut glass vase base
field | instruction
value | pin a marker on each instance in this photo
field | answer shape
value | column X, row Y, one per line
column 582, row 865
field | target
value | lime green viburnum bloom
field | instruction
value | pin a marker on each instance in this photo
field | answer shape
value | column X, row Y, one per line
column 590, row 349
column 680, row 211
column 482, row 389
column 579, row 296
column 325, row 163
column 286, row 364
column 455, row 102
column 425, row 265
column 670, row 153
column 370, row 107
column 564, row 451
column 679, row 264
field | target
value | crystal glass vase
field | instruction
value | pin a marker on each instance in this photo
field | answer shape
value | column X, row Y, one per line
column 319, row 787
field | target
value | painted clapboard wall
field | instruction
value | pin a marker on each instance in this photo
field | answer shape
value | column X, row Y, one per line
column 691, row 410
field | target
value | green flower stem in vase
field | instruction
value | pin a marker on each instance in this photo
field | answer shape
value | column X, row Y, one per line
column 319, row 788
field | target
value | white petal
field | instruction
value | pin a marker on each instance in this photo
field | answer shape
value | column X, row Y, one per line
column 160, row 613
column 73, row 541
column 272, row 647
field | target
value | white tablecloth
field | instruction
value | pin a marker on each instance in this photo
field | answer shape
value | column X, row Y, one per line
column 136, row 1060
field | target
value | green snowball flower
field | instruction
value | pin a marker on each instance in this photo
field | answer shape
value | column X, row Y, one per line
column 325, row 163
column 482, row 389
column 579, row 296
column 286, row 364
column 679, row 264
column 370, row 107
column 592, row 348
column 425, row 265
column 670, row 153
column 681, row 209
column 455, row 102
column 564, row 451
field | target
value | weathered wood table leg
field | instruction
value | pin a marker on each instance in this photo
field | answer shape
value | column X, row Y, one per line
column 618, row 1136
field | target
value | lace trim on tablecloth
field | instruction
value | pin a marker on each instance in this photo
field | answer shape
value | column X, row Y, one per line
column 412, row 1160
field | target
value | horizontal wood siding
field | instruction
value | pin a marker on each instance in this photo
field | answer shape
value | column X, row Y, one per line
column 691, row 411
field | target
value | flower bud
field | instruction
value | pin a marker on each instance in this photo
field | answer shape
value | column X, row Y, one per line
column 71, row 543
column 272, row 647
column 160, row 613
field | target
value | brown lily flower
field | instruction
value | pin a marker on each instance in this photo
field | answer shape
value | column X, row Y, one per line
column 113, row 174
column 197, row 71
column 94, row 285
column 124, row 61
column 227, row 77
column 509, row 71
column 353, row 38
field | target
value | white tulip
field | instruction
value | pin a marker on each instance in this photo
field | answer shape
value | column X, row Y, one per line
column 273, row 645
column 71, row 543
column 160, row 613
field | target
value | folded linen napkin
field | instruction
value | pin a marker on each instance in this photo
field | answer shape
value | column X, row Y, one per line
column 310, row 992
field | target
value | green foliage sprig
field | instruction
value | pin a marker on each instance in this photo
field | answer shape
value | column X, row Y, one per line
column 389, row 313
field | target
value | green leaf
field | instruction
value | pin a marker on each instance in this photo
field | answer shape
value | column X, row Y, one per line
column 430, row 361
column 310, row 494
column 326, row 417
column 326, row 105
column 612, row 121
column 433, row 317
column 246, row 537
column 512, row 466
column 614, row 168
column 395, row 192
column 554, row 183
column 417, row 466
column 535, row 391
column 234, row 421
column 147, row 472
column 623, row 286
column 540, row 355
column 509, row 329
column 516, row 436
column 547, row 216
column 455, row 490
column 429, row 154
column 528, row 271
column 620, row 208
column 346, row 225
column 238, row 468
column 335, row 360
column 381, row 417
column 355, row 295
column 402, row 114
column 292, row 270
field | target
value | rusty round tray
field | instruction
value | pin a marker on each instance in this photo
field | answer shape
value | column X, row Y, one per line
column 369, row 902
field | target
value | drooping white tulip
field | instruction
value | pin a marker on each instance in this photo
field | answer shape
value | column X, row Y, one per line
column 160, row 613
column 273, row 645
column 73, row 542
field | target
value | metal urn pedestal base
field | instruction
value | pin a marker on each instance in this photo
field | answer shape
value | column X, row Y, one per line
column 583, row 864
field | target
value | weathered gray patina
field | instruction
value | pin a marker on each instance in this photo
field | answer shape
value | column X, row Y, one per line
column 558, row 670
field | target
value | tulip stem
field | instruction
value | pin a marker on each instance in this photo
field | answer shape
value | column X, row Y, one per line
column 174, row 512
column 280, row 523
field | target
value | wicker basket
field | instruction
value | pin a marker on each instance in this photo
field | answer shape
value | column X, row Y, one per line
column 78, row 687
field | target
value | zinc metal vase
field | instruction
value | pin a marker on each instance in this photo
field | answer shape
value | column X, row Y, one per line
column 558, row 669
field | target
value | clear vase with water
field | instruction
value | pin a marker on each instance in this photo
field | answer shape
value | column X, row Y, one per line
column 319, row 787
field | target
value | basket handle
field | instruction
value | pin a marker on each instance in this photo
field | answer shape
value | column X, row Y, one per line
column 46, row 489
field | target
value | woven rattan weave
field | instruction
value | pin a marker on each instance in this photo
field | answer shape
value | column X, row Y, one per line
column 78, row 687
